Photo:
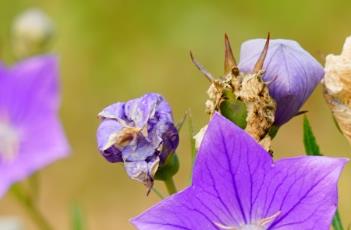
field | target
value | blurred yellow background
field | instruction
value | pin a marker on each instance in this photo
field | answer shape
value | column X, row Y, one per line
column 115, row 50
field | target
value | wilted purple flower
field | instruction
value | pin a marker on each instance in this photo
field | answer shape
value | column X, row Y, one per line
column 31, row 136
column 290, row 71
column 237, row 186
column 139, row 133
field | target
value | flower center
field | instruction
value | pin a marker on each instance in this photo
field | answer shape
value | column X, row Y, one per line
column 242, row 227
column 9, row 142
column 258, row 225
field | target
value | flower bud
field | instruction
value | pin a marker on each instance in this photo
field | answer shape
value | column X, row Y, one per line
column 337, row 83
column 291, row 73
column 31, row 33
column 140, row 133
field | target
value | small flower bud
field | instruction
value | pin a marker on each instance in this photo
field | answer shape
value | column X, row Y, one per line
column 31, row 33
column 140, row 133
column 337, row 83
column 291, row 73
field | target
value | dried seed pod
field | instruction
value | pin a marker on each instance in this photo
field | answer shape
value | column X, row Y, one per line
column 249, row 89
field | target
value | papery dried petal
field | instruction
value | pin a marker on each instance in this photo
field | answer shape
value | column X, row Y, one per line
column 337, row 84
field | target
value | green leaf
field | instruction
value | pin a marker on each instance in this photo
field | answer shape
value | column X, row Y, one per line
column 309, row 140
column 312, row 148
column 273, row 131
column 337, row 225
column 77, row 219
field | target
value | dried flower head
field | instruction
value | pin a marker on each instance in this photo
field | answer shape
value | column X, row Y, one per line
column 337, row 84
column 248, row 88
column 140, row 133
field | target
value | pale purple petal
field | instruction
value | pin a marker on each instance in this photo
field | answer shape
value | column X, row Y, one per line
column 114, row 111
column 106, row 129
column 44, row 72
column 235, row 183
column 291, row 72
column 29, row 88
column 42, row 142
column 29, row 100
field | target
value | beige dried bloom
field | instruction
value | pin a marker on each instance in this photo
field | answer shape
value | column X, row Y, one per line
column 337, row 84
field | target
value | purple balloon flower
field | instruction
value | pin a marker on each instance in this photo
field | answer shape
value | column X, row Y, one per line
column 237, row 186
column 31, row 136
column 290, row 71
column 140, row 133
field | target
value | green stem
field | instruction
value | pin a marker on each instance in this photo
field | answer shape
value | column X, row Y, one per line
column 192, row 140
column 171, row 188
column 30, row 207
column 337, row 225
column 158, row 193
column 34, row 182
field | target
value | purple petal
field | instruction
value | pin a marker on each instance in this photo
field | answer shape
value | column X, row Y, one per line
column 182, row 211
column 235, row 183
column 139, row 110
column 29, row 100
column 304, row 190
column 230, row 166
column 29, row 88
column 42, row 142
column 292, row 73
column 114, row 111
column 105, row 131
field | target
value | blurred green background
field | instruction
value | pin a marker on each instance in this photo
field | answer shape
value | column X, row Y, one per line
column 115, row 50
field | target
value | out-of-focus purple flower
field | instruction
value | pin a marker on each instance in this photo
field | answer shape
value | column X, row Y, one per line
column 237, row 186
column 140, row 133
column 290, row 71
column 31, row 136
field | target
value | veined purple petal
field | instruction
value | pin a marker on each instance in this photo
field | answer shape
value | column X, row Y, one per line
column 236, row 184
column 291, row 73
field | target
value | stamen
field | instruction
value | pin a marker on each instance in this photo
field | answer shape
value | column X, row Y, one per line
column 259, row 225
column 221, row 226
column 268, row 220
